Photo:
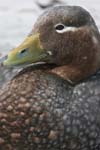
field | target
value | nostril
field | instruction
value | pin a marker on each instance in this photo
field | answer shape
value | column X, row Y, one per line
column 23, row 51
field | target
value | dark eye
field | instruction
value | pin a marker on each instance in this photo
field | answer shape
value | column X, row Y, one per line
column 59, row 27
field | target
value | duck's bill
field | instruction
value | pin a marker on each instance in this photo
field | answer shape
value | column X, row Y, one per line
column 30, row 51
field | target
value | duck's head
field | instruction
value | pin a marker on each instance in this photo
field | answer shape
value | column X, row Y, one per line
column 63, row 35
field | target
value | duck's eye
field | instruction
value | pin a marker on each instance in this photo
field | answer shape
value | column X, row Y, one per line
column 59, row 26
column 23, row 52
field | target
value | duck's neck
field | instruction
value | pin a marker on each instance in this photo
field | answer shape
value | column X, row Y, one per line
column 86, row 58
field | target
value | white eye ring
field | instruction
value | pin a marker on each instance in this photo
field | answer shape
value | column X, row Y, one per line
column 61, row 28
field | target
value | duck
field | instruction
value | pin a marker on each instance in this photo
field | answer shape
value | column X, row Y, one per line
column 54, row 102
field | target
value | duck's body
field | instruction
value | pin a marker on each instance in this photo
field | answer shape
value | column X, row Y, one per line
column 42, row 112
column 39, row 109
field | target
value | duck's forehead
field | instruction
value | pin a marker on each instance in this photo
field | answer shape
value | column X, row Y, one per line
column 64, row 14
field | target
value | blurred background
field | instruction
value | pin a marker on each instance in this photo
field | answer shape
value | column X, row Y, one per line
column 18, row 16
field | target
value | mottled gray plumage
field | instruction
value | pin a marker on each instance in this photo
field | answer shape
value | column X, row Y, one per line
column 41, row 111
